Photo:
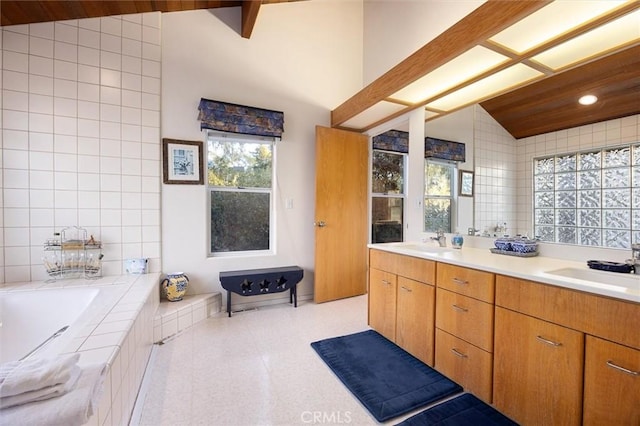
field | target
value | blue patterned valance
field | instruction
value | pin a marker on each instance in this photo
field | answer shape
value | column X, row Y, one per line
column 392, row 140
column 444, row 150
column 226, row 117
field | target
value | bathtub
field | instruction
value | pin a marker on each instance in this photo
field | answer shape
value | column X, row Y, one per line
column 110, row 320
column 29, row 318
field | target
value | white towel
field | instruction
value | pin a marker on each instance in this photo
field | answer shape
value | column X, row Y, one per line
column 44, row 393
column 71, row 409
column 18, row 377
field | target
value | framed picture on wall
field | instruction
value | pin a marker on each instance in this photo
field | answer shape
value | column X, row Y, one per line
column 182, row 162
column 465, row 183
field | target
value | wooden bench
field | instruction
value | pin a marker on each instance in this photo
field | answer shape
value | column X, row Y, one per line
column 254, row 282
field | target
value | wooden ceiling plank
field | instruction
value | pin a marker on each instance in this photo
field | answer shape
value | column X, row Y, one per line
column 18, row 13
column 250, row 11
column 485, row 21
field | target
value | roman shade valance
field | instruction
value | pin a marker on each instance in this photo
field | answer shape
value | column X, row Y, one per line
column 444, row 150
column 227, row 117
column 392, row 140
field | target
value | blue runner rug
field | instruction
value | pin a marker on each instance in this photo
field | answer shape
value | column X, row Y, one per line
column 386, row 379
column 463, row 410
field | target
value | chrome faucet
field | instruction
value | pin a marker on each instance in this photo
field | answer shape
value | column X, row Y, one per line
column 440, row 238
column 635, row 257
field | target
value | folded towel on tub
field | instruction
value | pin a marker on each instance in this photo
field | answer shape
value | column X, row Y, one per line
column 43, row 393
column 17, row 377
column 74, row 408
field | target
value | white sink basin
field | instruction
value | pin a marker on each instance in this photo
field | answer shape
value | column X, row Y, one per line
column 426, row 248
column 603, row 277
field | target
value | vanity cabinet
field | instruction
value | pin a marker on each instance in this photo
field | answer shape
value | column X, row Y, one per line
column 401, row 301
column 537, row 370
column 464, row 327
column 553, row 353
column 611, row 384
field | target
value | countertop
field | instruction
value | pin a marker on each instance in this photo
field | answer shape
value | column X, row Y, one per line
column 538, row 268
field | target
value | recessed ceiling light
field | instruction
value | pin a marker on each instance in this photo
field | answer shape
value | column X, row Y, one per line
column 588, row 100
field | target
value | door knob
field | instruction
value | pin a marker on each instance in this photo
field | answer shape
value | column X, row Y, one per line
column 320, row 224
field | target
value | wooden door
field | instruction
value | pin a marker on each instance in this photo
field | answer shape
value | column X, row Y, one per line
column 415, row 318
column 611, row 384
column 382, row 302
column 537, row 370
column 341, row 214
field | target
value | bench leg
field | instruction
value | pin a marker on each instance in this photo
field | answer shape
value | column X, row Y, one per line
column 229, row 303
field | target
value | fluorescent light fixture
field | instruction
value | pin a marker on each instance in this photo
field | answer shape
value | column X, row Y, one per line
column 551, row 21
column 473, row 62
column 588, row 100
column 377, row 112
column 622, row 31
column 490, row 86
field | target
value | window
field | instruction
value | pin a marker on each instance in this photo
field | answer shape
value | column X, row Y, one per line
column 589, row 198
column 438, row 195
column 240, row 181
column 387, row 199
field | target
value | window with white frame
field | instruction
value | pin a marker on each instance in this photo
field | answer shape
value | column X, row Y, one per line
column 439, row 177
column 387, row 196
column 589, row 198
column 240, row 176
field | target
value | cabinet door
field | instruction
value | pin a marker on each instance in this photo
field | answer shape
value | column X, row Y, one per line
column 415, row 319
column 382, row 302
column 537, row 370
column 611, row 384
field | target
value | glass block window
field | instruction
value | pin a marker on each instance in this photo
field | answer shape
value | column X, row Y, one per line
column 589, row 198
column 387, row 196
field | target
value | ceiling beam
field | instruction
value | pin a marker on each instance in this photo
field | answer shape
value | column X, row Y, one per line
column 250, row 11
column 487, row 20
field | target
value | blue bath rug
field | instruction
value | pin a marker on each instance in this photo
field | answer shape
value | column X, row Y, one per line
column 463, row 410
column 386, row 379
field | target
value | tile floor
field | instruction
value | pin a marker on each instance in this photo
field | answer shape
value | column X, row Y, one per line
column 255, row 368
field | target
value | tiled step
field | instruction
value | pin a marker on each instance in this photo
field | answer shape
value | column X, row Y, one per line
column 174, row 317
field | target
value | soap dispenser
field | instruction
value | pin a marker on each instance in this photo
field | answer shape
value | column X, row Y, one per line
column 457, row 240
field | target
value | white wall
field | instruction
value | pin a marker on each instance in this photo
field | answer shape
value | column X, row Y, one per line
column 393, row 30
column 303, row 58
column 80, row 139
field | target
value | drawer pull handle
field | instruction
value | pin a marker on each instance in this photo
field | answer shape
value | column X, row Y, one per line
column 458, row 353
column 548, row 342
column 385, row 282
column 407, row 289
column 460, row 308
column 460, row 281
column 625, row 370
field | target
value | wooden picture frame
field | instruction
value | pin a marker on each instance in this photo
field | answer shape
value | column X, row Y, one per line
column 182, row 162
column 465, row 183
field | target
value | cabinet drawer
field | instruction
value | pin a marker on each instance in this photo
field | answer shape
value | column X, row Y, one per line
column 465, row 317
column 611, row 319
column 406, row 266
column 611, row 394
column 465, row 364
column 470, row 282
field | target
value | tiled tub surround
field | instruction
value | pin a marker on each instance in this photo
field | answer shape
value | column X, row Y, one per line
column 80, row 138
column 118, row 331
column 175, row 317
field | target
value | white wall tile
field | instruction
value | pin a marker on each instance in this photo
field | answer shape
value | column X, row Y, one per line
column 131, row 149
column 151, row 51
column 89, row 146
column 131, row 65
column 88, row 74
column 17, row 101
column 66, row 33
column 41, row 199
column 14, row 178
column 65, row 51
column 88, row 38
column 110, row 112
column 40, row 141
column 109, row 130
column 15, row 81
column 132, row 48
column 41, row 47
column 110, row 43
column 131, row 183
column 40, row 179
column 111, row 25
column 131, row 98
column 65, row 181
column 65, row 88
column 90, row 24
column 88, row 199
column 42, row 123
column 131, row 116
column 65, row 70
column 88, row 92
column 15, row 218
column 151, row 101
column 151, row 85
column 17, row 198
column 66, row 125
column 151, row 168
column 14, row 61
column 42, row 29
column 15, row 159
column 89, row 181
column 111, row 218
column 110, row 165
column 15, row 42
column 110, row 95
column 88, row 217
column 66, row 144
column 18, row 256
column 88, row 56
column 65, row 107
column 15, row 139
column 131, row 132
column 151, row 68
column 131, row 166
column 110, row 60
column 65, row 163
column 41, row 104
column 151, row 135
column 151, row 19
column 65, row 217
column 15, row 120
column 90, row 110
column 88, row 128
column 66, row 199
column 131, row 30
column 131, row 200
column 15, row 274
column 111, row 78
column 110, row 183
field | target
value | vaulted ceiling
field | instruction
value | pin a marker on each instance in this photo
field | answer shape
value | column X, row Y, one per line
column 540, row 105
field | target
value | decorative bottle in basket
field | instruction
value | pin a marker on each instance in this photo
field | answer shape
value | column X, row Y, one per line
column 174, row 286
